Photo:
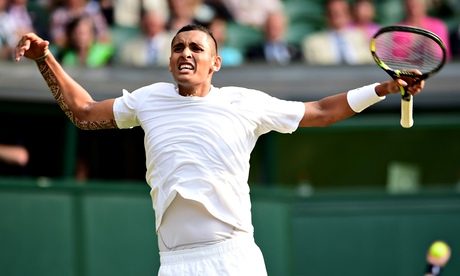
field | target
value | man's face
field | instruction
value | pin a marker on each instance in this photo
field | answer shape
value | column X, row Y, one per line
column 193, row 58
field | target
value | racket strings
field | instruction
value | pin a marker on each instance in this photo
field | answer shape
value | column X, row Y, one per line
column 407, row 51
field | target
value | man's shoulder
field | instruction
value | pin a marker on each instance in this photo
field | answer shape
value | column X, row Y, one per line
column 236, row 89
column 237, row 92
column 161, row 86
column 157, row 88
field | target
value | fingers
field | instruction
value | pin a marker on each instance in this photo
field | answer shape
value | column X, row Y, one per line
column 413, row 85
column 416, row 87
column 401, row 82
column 30, row 46
column 22, row 46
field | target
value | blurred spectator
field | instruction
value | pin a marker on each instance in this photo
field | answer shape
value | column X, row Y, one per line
column 8, row 37
column 184, row 12
column 449, row 11
column 82, row 48
column 29, row 17
column 72, row 9
column 152, row 46
column 21, row 17
column 107, row 9
column 230, row 56
column 416, row 14
column 220, row 9
column 252, row 13
column 363, row 12
column 14, row 155
column 339, row 43
column 274, row 49
column 128, row 13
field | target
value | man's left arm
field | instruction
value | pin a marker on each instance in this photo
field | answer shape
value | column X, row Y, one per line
column 332, row 109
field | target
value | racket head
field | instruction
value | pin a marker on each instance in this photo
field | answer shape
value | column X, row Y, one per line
column 400, row 49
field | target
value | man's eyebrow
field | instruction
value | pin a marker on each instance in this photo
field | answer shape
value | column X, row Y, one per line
column 180, row 43
column 196, row 44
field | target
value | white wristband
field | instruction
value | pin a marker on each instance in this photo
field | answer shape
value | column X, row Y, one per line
column 363, row 97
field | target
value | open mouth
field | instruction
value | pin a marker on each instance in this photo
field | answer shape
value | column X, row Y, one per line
column 186, row 67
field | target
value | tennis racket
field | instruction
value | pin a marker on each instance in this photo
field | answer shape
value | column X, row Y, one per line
column 400, row 49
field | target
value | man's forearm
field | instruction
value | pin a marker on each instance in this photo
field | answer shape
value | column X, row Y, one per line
column 53, row 84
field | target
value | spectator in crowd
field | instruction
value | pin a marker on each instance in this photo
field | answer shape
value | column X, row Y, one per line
column 220, row 9
column 339, row 43
column 252, row 13
column 28, row 17
column 230, row 55
column 128, row 13
column 21, row 17
column 449, row 11
column 184, row 12
column 152, row 46
column 416, row 14
column 274, row 49
column 71, row 9
column 82, row 47
column 363, row 12
column 108, row 9
column 8, row 37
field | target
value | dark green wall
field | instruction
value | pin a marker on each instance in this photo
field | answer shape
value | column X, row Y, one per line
column 51, row 227
column 358, row 152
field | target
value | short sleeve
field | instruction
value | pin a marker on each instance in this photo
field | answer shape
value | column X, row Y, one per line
column 274, row 114
column 280, row 115
column 124, row 109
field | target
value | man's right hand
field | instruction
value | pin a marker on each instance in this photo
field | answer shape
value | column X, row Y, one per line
column 31, row 46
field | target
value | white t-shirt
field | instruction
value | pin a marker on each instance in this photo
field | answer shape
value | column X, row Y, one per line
column 200, row 146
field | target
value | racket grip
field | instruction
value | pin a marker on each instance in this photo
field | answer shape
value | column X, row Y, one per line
column 407, row 120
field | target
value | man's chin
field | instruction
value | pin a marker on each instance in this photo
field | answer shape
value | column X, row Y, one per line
column 183, row 79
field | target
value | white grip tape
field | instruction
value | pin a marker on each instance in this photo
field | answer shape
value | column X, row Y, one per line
column 407, row 120
column 363, row 97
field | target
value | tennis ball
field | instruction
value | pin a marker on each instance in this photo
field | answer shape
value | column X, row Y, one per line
column 439, row 249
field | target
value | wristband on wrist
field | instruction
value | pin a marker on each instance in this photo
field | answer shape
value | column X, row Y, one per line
column 42, row 58
column 363, row 97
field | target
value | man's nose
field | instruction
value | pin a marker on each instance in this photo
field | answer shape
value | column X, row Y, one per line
column 187, row 53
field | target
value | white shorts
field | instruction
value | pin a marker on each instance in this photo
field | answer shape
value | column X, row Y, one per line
column 237, row 256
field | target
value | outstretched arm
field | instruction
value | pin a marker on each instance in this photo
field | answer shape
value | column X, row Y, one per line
column 73, row 99
column 335, row 108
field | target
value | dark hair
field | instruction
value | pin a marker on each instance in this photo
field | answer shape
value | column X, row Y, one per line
column 196, row 27
column 73, row 24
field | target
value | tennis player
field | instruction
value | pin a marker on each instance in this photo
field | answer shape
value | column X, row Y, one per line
column 198, row 140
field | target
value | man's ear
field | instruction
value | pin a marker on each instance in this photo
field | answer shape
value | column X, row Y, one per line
column 217, row 64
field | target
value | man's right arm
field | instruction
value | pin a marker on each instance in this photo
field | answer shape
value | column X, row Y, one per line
column 73, row 99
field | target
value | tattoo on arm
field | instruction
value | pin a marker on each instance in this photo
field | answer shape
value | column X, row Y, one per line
column 52, row 83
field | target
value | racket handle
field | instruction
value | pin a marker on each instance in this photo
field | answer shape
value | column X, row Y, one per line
column 407, row 120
